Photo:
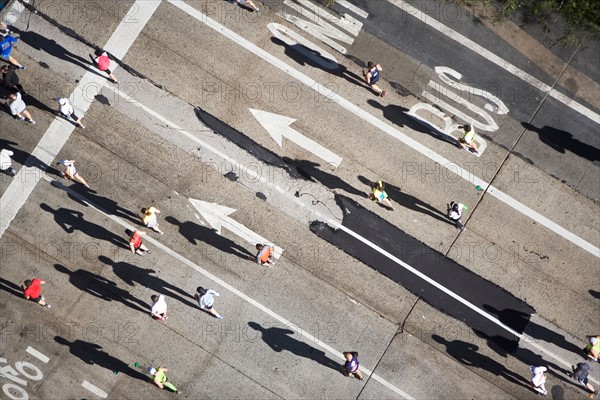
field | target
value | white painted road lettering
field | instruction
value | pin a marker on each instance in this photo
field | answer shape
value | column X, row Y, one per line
column 94, row 389
column 482, row 51
column 390, row 130
column 318, row 22
column 301, row 45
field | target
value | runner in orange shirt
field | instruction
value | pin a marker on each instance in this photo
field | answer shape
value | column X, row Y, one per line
column 265, row 254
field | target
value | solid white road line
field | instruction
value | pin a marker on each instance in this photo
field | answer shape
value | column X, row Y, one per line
column 482, row 51
column 94, row 389
column 351, row 107
column 337, row 225
column 42, row 357
column 60, row 130
column 308, row 337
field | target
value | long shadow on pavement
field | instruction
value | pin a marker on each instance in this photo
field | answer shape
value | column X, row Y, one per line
column 11, row 287
column 515, row 318
column 130, row 274
column 281, row 339
column 72, row 220
column 398, row 115
column 467, row 354
column 309, row 171
column 103, row 288
column 305, row 56
column 92, row 353
column 194, row 233
column 562, row 141
column 408, row 201
column 54, row 49
column 594, row 293
column 504, row 347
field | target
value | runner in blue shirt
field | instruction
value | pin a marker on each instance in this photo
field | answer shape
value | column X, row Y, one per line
column 372, row 76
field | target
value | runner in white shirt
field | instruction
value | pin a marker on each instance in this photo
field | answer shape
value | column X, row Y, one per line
column 65, row 109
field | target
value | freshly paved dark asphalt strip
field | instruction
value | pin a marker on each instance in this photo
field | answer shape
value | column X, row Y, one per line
column 481, row 293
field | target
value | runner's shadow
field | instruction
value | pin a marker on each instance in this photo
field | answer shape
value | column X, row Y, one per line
column 468, row 354
column 521, row 322
column 107, row 205
column 102, row 288
column 72, row 220
column 503, row 347
column 398, row 116
column 130, row 274
column 281, row 339
column 309, row 171
column 306, row 56
column 26, row 159
column 408, row 201
column 194, row 233
column 594, row 293
column 92, row 354
column 54, row 49
column 561, row 141
column 11, row 287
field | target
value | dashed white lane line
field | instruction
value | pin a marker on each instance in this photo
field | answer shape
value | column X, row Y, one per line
column 60, row 130
column 94, row 389
column 42, row 357
column 337, row 225
column 304, row 334
column 364, row 115
column 499, row 61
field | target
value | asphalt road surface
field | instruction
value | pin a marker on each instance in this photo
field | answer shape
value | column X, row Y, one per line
column 246, row 128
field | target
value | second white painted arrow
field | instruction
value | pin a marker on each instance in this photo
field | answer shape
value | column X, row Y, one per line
column 218, row 217
column 279, row 127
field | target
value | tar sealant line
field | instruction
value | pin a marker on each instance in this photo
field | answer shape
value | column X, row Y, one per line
column 364, row 115
column 308, row 337
column 60, row 130
column 499, row 61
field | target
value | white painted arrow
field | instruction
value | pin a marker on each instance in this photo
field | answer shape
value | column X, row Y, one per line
column 218, row 217
column 279, row 127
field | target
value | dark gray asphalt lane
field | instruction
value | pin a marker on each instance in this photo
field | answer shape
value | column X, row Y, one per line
column 483, row 294
column 574, row 137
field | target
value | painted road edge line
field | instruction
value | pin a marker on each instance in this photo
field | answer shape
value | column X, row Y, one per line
column 227, row 286
column 94, row 389
column 60, row 130
column 488, row 55
column 349, row 106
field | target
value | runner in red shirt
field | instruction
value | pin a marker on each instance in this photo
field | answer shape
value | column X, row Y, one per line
column 135, row 243
column 32, row 290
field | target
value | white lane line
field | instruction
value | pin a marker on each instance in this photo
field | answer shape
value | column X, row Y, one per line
column 60, row 130
column 349, row 106
column 222, row 283
column 42, row 357
column 468, row 43
column 424, row 277
column 94, row 389
column 336, row 224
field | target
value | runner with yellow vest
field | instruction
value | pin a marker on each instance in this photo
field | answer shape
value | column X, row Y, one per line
column 160, row 379
column 593, row 348
column 467, row 142
column 379, row 195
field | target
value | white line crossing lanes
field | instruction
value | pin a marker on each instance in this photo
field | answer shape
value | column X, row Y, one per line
column 390, row 130
column 523, row 337
column 60, row 130
column 499, row 61
column 304, row 334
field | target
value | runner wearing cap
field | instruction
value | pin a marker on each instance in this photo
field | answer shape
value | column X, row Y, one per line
column 65, row 109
